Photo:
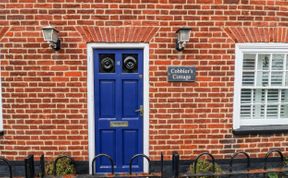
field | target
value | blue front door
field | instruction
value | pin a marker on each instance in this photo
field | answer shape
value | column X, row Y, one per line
column 118, row 99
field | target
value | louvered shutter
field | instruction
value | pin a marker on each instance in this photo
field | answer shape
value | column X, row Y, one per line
column 260, row 97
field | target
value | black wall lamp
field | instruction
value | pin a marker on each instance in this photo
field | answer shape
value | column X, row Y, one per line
column 51, row 35
column 182, row 37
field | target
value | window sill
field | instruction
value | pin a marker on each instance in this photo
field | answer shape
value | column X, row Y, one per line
column 270, row 129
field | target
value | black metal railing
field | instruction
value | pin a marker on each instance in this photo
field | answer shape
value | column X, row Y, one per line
column 130, row 173
column 263, row 172
column 42, row 166
column 162, row 164
column 268, row 155
column 175, row 164
column 203, row 154
column 247, row 161
column 6, row 162
column 29, row 167
column 56, row 161
column 248, row 171
column 99, row 156
column 137, row 156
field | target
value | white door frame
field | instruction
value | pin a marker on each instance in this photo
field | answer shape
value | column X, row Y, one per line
column 1, row 114
column 90, row 94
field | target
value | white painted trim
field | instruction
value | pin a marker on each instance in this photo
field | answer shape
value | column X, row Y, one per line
column 240, row 48
column 262, row 46
column 90, row 95
column 257, row 122
column 90, row 106
column 146, row 103
column 1, row 113
column 237, row 88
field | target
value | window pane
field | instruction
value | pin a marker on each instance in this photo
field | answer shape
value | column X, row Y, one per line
column 245, row 111
column 278, row 62
column 287, row 62
column 130, row 63
column 253, row 111
column 262, row 78
column 249, row 61
column 248, row 78
column 260, row 96
column 263, row 61
column 272, row 111
column 246, row 96
column 259, row 109
column 107, row 63
column 284, row 96
column 284, row 111
column 273, row 96
column 258, row 112
column 276, row 78
column 284, row 105
column 286, row 79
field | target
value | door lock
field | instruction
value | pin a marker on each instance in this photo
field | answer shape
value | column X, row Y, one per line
column 140, row 110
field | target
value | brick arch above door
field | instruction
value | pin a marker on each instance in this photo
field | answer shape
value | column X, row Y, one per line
column 258, row 34
column 117, row 34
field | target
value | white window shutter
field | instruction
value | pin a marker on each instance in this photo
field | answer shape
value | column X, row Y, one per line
column 262, row 90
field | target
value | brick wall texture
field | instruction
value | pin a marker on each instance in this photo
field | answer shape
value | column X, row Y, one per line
column 44, row 93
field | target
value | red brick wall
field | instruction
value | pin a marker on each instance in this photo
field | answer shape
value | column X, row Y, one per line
column 44, row 92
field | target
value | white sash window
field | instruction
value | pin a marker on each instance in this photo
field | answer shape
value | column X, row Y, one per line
column 261, row 85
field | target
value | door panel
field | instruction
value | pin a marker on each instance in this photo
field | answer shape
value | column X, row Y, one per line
column 108, row 140
column 130, row 140
column 130, row 98
column 118, row 94
column 107, row 98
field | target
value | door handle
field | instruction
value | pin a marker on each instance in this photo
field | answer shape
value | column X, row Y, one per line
column 140, row 110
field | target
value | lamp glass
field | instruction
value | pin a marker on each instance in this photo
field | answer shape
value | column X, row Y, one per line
column 47, row 34
column 50, row 34
column 184, row 35
column 178, row 35
column 54, row 36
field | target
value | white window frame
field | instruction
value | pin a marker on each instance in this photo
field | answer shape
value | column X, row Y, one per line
column 240, row 49
column 1, row 113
